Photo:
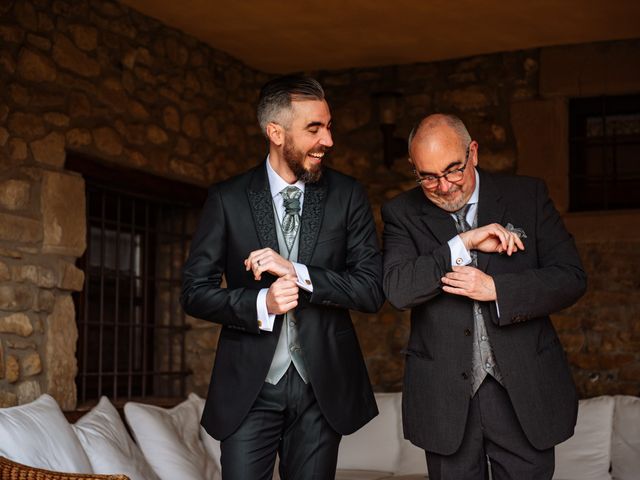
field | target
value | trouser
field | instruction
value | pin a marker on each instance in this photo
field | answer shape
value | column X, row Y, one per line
column 493, row 439
column 285, row 419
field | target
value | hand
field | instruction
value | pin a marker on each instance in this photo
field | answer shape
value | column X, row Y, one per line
column 267, row 260
column 470, row 282
column 282, row 295
column 493, row 238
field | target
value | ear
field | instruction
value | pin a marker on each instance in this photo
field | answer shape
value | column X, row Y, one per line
column 474, row 153
column 275, row 133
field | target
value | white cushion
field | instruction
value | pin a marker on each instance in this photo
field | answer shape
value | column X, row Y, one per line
column 38, row 434
column 376, row 446
column 625, row 448
column 587, row 455
column 108, row 445
column 412, row 460
column 170, row 439
column 360, row 475
column 211, row 445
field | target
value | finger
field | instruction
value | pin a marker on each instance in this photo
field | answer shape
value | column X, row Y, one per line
column 455, row 291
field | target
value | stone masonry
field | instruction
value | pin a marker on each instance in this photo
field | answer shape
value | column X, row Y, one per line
column 100, row 79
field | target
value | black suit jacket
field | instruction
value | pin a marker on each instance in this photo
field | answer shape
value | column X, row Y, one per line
column 338, row 245
column 544, row 278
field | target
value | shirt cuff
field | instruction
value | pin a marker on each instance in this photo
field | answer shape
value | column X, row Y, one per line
column 265, row 319
column 460, row 256
column 304, row 280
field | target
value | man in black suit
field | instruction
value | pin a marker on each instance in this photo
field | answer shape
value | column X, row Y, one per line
column 481, row 260
column 297, row 246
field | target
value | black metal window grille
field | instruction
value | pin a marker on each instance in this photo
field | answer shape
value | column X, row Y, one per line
column 131, row 328
column 604, row 152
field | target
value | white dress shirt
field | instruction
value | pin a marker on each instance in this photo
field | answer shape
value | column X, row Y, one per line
column 276, row 185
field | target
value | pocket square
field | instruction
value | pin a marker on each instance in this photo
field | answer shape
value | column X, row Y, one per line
column 518, row 231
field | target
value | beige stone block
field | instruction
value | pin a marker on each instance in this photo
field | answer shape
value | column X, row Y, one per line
column 136, row 159
column 16, row 324
column 541, row 131
column 4, row 112
column 610, row 68
column 39, row 41
column 19, row 94
column 68, row 56
column 14, row 228
column 465, row 99
column 16, row 297
column 171, row 118
column 84, row 36
column 9, row 252
column 45, row 301
column 70, row 277
column 79, row 105
column 8, row 399
column 12, row 369
column 26, row 125
column 59, row 353
column 50, row 149
column 79, row 137
column 28, row 391
column 21, row 345
column 183, row 147
column 45, row 22
column 41, row 276
column 107, row 140
column 186, row 169
column 31, row 364
column 4, row 136
column 5, row 274
column 18, row 149
column 11, row 33
column 156, row 135
column 191, row 125
column 26, row 15
column 137, row 110
column 14, row 194
column 63, row 214
column 57, row 119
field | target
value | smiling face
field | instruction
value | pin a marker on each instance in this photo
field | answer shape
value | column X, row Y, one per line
column 441, row 152
column 298, row 148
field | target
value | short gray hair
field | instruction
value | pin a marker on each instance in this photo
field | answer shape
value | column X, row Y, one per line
column 274, row 104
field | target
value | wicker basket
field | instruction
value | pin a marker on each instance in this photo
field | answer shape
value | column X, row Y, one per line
column 15, row 471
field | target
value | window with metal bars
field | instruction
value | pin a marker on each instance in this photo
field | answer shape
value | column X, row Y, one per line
column 604, row 152
column 131, row 329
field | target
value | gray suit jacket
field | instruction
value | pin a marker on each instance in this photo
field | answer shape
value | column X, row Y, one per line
column 544, row 278
column 339, row 246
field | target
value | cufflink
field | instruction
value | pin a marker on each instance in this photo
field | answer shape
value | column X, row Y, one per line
column 307, row 281
column 259, row 323
column 458, row 261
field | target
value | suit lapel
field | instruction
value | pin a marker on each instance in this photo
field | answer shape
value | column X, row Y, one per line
column 491, row 209
column 259, row 195
column 439, row 222
column 312, row 213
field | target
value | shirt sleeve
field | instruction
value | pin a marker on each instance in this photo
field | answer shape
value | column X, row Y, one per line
column 459, row 254
column 304, row 280
column 265, row 319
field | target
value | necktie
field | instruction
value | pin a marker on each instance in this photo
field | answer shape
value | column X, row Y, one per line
column 461, row 219
column 291, row 219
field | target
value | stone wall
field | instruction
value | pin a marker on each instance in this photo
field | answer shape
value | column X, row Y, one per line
column 97, row 78
column 516, row 106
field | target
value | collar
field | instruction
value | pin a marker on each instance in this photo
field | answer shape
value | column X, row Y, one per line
column 277, row 183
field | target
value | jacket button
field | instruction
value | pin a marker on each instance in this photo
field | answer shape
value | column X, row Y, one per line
column 464, row 375
column 467, row 332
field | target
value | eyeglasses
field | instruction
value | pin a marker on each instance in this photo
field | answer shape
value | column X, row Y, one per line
column 453, row 176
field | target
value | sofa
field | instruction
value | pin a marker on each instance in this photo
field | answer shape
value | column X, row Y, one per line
column 169, row 444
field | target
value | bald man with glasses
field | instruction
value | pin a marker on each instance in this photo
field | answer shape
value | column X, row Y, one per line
column 481, row 260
